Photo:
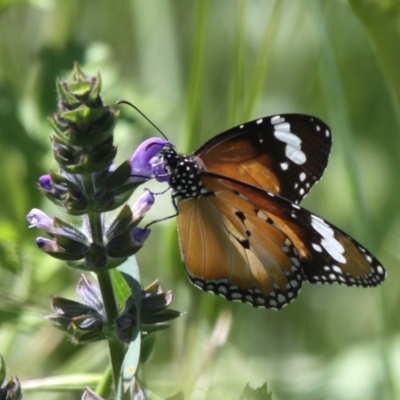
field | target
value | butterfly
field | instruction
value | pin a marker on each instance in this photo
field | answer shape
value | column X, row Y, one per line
column 242, row 233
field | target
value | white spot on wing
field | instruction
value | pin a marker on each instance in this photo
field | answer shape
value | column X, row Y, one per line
column 293, row 143
column 328, row 241
column 281, row 298
column 277, row 119
column 337, row 269
column 316, row 247
column 283, row 127
column 380, row 270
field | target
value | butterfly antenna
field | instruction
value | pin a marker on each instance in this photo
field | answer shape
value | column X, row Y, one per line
column 143, row 115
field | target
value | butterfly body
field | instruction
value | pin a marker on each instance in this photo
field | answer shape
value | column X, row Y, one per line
column 242, row 233
column 185, row 174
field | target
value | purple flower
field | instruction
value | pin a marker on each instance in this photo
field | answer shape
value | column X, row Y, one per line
column 38, row 219
column 142, row 205
column 47, row 245
column 141, row 160
column 89, row 294
column 139, row 235
column 83, row 320
column 45, row 182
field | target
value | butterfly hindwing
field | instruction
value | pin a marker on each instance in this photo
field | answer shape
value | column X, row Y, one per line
column 327, row 254
column 285, row 154
column 232, row 249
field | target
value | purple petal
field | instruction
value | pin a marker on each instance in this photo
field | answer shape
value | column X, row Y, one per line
column 139, row 235
column 89, row 293
column 45, row 182
column 142, row 205
column 47, row 245
column 37, row 218
column 141, row 167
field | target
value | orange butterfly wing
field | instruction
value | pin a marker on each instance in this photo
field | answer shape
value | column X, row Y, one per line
column 242, row 233
column 250, row 245
column 272, row 153
column 229, row 250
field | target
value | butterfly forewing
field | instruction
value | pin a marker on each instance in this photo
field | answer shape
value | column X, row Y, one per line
column 285, row 154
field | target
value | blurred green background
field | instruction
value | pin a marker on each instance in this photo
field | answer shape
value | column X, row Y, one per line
column 197, row 68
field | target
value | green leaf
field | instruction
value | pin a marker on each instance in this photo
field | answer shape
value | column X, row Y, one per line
column 130, row 272
column 121, row 288
column 2, row 370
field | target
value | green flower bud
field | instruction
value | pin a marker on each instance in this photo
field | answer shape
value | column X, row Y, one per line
column 83, row 126
column 11, row 389
column 84, row 321
column 154, row 315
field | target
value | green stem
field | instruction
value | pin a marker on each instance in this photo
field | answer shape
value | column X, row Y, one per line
column 196, row 75
column 261, row 68
column 236, row 106
column 116, row 348
column 333, row 86
column 96, row 228
column 381, row 20
column 103, row 387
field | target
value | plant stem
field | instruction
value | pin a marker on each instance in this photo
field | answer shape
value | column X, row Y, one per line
column 261, row 69
column 381, row 21
column 239, row 57
column 117, row 348
column 333, row 86
column 196, row 75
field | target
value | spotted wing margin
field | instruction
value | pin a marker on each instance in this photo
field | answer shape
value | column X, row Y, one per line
column 285, row 154
column 231, row 249
column 327, row 254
